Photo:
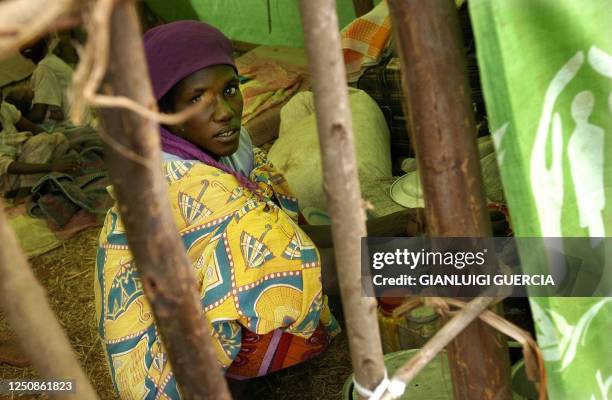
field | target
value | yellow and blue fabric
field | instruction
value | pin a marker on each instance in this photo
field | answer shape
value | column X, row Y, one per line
column 255, row 269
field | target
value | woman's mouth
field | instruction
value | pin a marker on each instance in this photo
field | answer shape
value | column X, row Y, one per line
column 227, row 135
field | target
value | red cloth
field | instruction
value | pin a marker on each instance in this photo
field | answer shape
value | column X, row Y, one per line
column 263, row 354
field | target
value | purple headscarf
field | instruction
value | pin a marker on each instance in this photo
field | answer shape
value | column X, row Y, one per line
column 175, row 51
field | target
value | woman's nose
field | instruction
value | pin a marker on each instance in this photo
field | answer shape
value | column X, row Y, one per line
column 223, row 111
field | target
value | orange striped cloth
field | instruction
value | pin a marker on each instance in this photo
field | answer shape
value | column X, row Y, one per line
column 365, row 39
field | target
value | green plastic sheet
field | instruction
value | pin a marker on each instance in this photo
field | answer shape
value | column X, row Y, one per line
column 546, row 70
column 247, row 20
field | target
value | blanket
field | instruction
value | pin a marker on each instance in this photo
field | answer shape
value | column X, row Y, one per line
column 59, row 196
column 270, row 85
column 365, row 39
column 38, row 236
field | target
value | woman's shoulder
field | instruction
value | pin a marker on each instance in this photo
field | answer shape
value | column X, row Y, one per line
column 196, row 192
column 191, row 183
column 176, row 170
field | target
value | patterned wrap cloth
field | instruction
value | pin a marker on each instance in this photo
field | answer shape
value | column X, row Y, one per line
column 258, row 274
column 365, row 40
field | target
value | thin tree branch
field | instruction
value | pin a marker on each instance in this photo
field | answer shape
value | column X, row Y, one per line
column 165, row 271
column 320, row 24
column 362, row 6
column 23, row 21
column 29, row 314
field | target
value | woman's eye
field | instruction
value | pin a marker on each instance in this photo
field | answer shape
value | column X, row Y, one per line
column 196, row 99
column 231, row 91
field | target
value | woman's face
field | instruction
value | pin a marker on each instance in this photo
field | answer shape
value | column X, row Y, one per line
column 217, row 128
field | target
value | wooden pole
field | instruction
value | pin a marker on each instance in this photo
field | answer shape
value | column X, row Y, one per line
column 362, row 7
column 344, row 203
column 140, row 188
column 441, row 119
column 29, row 314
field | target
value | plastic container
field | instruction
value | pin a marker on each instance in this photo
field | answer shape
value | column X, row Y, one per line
column 523, row 388
column 434, row 381
column 409, row 332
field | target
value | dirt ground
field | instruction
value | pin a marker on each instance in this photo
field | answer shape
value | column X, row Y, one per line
column 67, row 274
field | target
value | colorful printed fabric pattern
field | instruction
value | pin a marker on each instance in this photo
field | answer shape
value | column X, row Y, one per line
column 365, row 39
column 254, row 266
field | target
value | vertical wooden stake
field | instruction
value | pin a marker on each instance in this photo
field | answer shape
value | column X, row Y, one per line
column 344, row 202
column 362, row 7
column 441, row 120
column 29, row 314
column 165, row 271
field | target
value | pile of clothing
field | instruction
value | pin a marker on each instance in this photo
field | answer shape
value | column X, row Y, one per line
column 58, row 196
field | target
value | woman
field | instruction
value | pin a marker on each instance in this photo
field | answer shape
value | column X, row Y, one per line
column 258, row 273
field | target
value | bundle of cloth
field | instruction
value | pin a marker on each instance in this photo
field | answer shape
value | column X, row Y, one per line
column 267, row 85
column 366, row 40
column 270, row 76
column 58, row 196
column 296, row 152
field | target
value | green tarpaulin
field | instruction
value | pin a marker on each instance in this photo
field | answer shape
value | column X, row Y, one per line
column 547, row 77
column 247, row 20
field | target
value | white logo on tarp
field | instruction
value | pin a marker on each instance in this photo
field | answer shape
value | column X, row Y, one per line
column 558, row 339
column 585, row 152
